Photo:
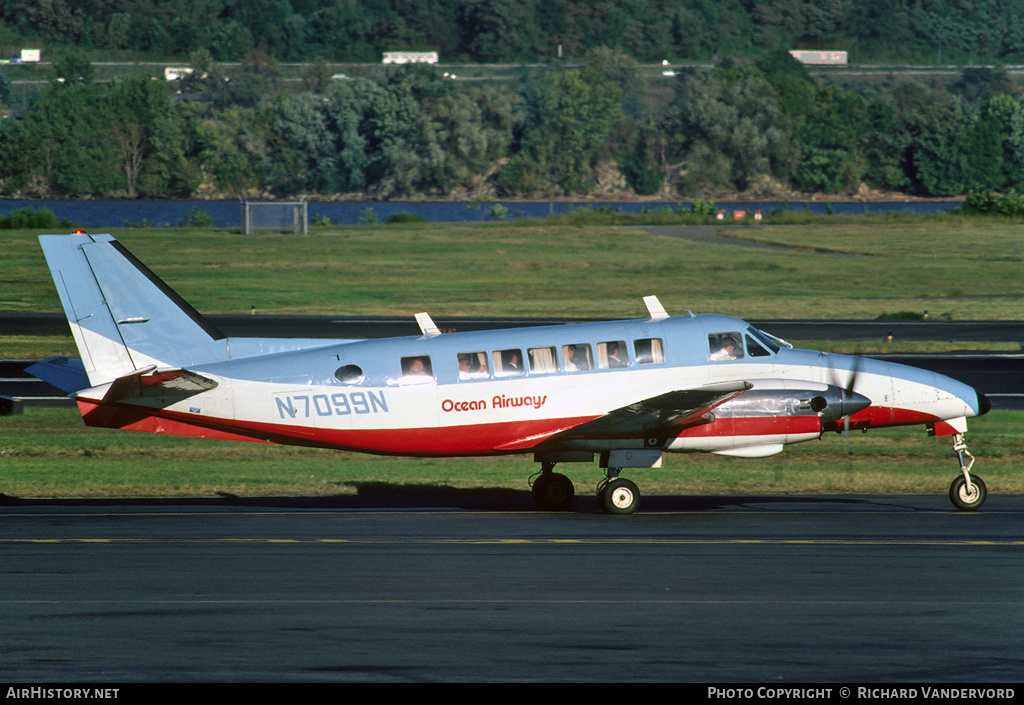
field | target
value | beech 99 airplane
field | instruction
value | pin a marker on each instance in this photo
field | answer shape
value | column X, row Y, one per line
column 621, row 392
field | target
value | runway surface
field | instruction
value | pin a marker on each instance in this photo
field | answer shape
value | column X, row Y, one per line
column 767, row 590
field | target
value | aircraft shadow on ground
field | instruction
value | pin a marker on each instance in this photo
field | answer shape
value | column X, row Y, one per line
column 383, row 495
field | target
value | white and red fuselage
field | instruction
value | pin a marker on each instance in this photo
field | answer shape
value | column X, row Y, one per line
column 626, row 390
column 355, row 395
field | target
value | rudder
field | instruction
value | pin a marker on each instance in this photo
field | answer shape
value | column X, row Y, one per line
column 123, row 317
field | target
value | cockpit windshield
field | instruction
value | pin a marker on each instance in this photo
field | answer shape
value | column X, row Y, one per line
column 767, row 340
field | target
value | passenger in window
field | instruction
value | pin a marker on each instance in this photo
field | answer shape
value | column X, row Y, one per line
column 511, row 363
column 416, row 367
column 570, row 353
column 576, row 357
column 615, row 357
column 473, row 365
column 726, row 350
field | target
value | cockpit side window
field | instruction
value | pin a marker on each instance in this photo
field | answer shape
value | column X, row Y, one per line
column 725, row 346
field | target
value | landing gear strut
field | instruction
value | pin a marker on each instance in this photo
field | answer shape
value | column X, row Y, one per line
column 966, row 492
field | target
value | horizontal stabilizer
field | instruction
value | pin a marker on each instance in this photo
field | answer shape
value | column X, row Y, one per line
column 168, row 386
column 66, row 374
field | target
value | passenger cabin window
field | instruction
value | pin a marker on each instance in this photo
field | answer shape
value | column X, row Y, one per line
column 649, row 351
column 349, row 374
column 508, row 363
column 473, row 365
column 542, row 360
column 725, row 346
column 576, row 357
column 417, row 370
column 612, row 355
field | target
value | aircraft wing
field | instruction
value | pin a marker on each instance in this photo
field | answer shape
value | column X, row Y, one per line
column 683, row 407
column 651, row 417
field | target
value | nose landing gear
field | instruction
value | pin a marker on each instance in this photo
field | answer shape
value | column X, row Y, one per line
column 966, row 492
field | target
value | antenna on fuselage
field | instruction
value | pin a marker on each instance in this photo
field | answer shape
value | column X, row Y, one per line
column 427, row 325
column 655, row 308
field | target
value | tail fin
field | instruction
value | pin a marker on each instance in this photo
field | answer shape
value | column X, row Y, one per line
column 125, row 318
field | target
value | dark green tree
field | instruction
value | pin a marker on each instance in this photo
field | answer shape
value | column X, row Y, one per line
column 63, row 146
column 172, row 168
column 73, row 69
column 728, row 131
column 569, row 127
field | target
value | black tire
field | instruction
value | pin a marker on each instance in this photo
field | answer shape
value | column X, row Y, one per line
column 619, row 497
column 553, row 492
column 964, row 499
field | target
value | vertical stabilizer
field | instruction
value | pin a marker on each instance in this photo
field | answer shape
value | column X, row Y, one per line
column 124, row 318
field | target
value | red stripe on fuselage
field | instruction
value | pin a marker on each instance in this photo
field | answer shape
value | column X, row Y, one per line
column 479, row 439
column 467, row 440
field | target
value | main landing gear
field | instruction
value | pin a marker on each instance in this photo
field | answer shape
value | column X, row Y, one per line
column 617, row 495
column 554, row 492
column 967, row 492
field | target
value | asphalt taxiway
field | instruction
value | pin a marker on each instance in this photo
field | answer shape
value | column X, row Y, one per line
column 472, row 588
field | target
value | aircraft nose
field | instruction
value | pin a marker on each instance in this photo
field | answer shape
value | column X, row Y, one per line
column 984, row 405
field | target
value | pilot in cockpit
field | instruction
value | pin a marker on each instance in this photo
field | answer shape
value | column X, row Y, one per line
column 726, row 350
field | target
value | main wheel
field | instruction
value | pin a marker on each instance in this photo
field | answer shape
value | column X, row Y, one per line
column 964, row 498
column 619, row 497
column 553, row 492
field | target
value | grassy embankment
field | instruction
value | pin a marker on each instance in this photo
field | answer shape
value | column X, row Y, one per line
column 850, row 268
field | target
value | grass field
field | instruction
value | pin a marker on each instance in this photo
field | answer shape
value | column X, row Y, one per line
column 854, row 267
column 858, row 268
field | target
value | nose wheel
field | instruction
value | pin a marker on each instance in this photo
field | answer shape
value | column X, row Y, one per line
column 967, row 492
column 967, row 496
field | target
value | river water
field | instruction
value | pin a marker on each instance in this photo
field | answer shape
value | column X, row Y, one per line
column 93, row 214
